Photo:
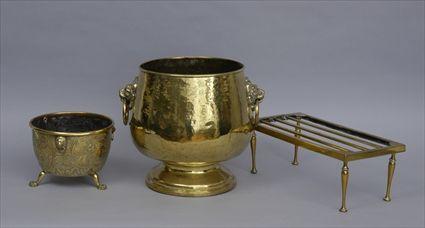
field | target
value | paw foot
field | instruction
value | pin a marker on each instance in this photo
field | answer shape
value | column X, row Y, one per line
column 101, row 186
column 33, row 184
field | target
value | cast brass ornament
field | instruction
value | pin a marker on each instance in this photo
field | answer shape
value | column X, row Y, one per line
column 191, row 113
column 71, row 144
column 128, row 95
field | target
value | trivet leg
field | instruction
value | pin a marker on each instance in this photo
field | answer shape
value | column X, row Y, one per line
column 96, row 180
column 40, row 178
column 344, row 182
column 391, row 167
column 295, row 161
column 253, row 150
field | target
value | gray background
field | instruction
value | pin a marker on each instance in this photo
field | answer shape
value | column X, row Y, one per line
column 359, row 63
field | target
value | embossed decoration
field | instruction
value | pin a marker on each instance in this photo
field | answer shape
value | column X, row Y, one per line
column 190, row 113
column 128, row 93
column 127, row 96
column 255, row 94
column 71, row 144
column 60, row 143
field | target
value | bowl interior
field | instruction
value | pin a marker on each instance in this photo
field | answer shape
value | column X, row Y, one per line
column 71, row 122
column 192, row 65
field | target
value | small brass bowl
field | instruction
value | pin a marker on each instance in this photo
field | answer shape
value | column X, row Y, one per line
column 71, row 144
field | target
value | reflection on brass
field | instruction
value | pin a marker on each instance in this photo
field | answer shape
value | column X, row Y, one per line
column 71, row 144
column 191, row 113
column 255, row 96
column 253, row 151
column 344, row 183
column 391, row 167
column 332, row 140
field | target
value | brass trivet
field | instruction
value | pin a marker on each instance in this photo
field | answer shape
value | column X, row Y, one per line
column 329, row 139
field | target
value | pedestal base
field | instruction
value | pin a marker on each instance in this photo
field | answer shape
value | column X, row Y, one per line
column 190, row 179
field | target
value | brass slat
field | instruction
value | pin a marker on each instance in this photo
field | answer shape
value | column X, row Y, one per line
column 266, row 129
column 350, row 131
column 396, row 148
column 324, row 136
column 336, row 133
column 342, row 149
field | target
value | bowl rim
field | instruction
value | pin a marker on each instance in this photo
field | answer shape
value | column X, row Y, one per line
column 143, row 70
column 111, row 125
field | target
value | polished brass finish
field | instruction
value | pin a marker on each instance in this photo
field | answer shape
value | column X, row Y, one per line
column 253, row 151
column 332, row 140
column 40, row 178
column 298, row 130
column 311, row 138
column 255, row 96
column 204, row 180
column 337, row 133
column 344, row 183
column 191, row 113
column 327, row 138
column 71, row 144
column 391, row 167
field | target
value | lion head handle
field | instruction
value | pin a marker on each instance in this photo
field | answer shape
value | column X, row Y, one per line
column 127, row 96
column 255, row 96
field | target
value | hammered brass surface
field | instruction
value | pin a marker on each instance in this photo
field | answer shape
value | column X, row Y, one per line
column 83, row 154
column 71, row 154
column 191, row 113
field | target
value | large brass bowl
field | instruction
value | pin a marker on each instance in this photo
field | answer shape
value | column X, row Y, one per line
column 71, row 144
column 191, row 113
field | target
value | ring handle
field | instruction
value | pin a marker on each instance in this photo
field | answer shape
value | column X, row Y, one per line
column 112, row 133
column 127, row 96
column 255, row 96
